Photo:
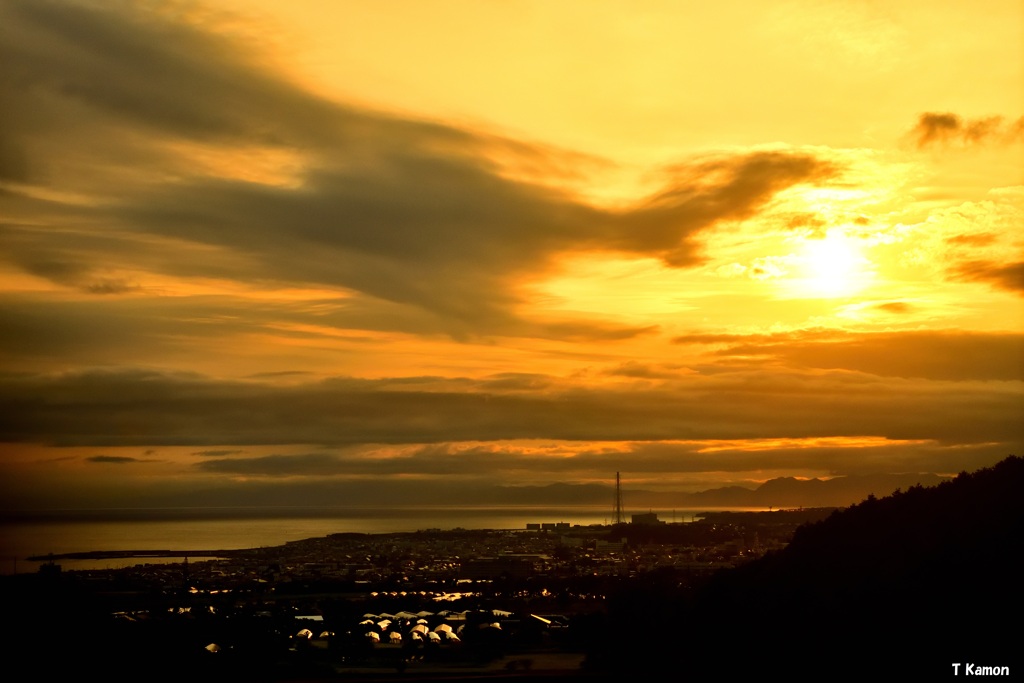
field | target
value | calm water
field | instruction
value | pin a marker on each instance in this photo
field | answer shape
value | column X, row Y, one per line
column 229, row 529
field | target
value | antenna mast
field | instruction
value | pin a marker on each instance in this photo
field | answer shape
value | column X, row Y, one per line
column 618, row 501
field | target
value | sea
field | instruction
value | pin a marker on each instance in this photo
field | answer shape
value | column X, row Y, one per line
column 39, row 534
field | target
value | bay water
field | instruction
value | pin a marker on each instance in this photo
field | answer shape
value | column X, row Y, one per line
column 25, row 535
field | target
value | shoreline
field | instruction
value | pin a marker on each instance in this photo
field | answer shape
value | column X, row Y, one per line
column 122, row 554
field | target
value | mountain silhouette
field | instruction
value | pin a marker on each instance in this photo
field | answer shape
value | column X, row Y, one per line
column 907, row 584
column 780, row 492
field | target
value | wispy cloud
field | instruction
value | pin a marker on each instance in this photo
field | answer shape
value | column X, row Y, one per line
column 217, row 453
column 271, row 291
column 146, row 408
column 935, row 128
column 405, row 211
column 933, row 354
column 1008, row 276
column 113, row 459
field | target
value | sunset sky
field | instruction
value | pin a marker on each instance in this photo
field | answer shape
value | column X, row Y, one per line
column 327, row 251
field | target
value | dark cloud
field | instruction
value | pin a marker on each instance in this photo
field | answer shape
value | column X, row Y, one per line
column 516, row 381
column 935, row 128
column 107, row 331
column 150, row 408
column 932, row 127
column 56, row 270
column 672, row 459
column 584, row 331
column 144, row 69
column 414, row 213
column 114, row 459
column 135, row 329
column 980, row 239
column 13, row 162
column 937, row 354
column 440, row 460
column 645, row 370
column 216, row 453
column 1008, row 276
column 451, row 238
column 278, row 498
column 139, row 150
column 447, row 471
column 112, row 286
column 651, row 461
column 807, row 220
column 278, row 374
column 275, row 465
column 706, row 192
column 807, row 334
column 896, row 307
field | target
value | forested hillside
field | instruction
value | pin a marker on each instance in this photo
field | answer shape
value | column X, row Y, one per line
column 911, row 582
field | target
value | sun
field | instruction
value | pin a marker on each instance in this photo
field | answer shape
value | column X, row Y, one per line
column 833, row 266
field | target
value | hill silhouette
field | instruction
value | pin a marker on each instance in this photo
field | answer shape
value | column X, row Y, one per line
column 907, row 584
column 838, row 491
column 792, row 492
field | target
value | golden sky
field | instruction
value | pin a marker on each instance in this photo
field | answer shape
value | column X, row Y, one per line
column 289, row 251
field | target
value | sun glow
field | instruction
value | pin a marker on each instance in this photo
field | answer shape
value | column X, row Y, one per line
column 832, row 267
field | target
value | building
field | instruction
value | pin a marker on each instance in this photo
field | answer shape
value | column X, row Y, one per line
column 647, row 518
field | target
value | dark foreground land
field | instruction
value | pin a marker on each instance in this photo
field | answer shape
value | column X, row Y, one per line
column 905, row 585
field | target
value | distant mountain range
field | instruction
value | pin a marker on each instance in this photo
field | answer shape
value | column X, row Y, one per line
column 792, row 492
column 782, row 492
column 276, row 499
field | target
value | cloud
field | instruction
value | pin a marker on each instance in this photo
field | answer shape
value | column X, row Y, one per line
column 975, row 241
column 947, row 355
column 113, row 459
column 983, row 239
column 174, row 200
column 151, row 408
column 111, row 330
column 832, row 456
column 706, row 192
column 895, row 307
column 489, row 461
column 446, row 237
column 417, row 214
column 654, row 463
column 275, row 465
column 480, row 474
column 13, row 162
column 640, row 370
column 934, row 128
column 217, row 453
column 1007, row 276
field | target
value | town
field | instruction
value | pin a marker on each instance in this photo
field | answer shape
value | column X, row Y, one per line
column 405, row 601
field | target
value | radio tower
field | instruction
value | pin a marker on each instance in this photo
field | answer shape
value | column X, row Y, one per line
column 618, row 501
